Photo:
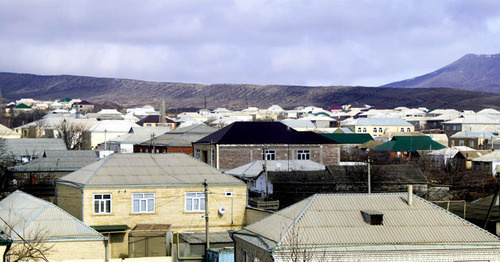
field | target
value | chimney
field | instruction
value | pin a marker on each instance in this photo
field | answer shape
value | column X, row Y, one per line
column 410, row 195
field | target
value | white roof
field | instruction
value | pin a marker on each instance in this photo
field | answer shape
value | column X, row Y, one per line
column 379, row 122
column 113, row 126
column 255, row 168
column 30, row 216
column 494, row 156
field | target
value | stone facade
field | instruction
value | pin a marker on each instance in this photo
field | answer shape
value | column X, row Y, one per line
column 232, row 156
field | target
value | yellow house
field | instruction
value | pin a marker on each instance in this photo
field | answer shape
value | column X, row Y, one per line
column 380, row 126
column 122, row 193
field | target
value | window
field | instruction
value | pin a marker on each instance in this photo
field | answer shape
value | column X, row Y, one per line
column 374, row 130
column 212, row 157
column 408, row 130
column 102, row 204
column 303, row 154
column 229, row 194
column 269, row 154
column 143, row 203
column 402, row 129
column 461, row 143
column 195, row 201
column 198, row 154
column 380, row 130
column 364, row 129
column 359, row 129
column 452, row 142
column 471, row 143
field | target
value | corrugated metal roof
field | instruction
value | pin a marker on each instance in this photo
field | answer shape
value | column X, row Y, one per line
column 493, row 156
column 409, row 144
column 33, row 146
column 336, row 220
column 139, row 134
column 30, row 216
column 255, row 168
column 148, row 170
column 183, row 136
column 200, row 237
column 58, row 160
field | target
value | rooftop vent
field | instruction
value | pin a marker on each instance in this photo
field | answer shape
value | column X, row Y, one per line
column 373, row 218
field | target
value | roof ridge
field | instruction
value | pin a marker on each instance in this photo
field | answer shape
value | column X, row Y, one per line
column 296, row 220
column 98, row 168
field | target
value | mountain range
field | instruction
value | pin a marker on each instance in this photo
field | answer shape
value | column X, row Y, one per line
column 478, row 73
column 471, row 72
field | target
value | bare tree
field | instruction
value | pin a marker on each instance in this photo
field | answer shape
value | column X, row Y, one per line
column 72, row 133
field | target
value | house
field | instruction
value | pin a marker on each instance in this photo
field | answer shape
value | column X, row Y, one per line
column 21, row 108
column 379, row 126
column 480, row 140
column 125, row 143
column 154, row 120
column 299, row 124
column 463, row 159
column 472, row 122
column 48, row 229
column 37, row 177
column 107, row 130
column 488, row 163
column 120, row 193
column 8, row 133
column 367, row 227
column 83, row 106
column 244, row 142
column 349, row 139
column 407, row 146
column 176, row 141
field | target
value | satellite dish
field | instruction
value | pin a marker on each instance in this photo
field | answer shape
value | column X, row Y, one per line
column 222, row 210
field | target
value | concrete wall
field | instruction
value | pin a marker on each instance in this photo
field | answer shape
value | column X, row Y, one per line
column 72, row 250
column 385, row 129
column 69, row 198
column 253, row 215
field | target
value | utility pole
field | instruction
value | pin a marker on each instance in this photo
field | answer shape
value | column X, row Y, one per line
column 265, row 171
column 369, row 178
column 153, row 141
column 207, row 238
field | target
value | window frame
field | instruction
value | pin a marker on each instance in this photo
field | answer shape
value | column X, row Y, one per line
column 200, row 196
column 269, row 154
column 304, row 155
column 145, row 201
column 102, row 204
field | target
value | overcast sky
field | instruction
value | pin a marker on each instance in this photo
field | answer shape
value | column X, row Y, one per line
column 305, row 42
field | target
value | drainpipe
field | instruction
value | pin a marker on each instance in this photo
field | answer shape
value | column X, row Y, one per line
column 7, row 248
column 106, row 249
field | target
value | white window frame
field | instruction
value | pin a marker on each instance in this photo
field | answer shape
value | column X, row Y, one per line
column 471, row 143
column 144, row 204
column 103, row 203
column 374, row 130
column 461, row 142
column 198, row 154
column 197, row 202
column 408, row 129
column 402, row 129
column 380, row 130
column 303, row 154
column 270, row 154
column 364, row 129
column 359, row 129
column 228, row 194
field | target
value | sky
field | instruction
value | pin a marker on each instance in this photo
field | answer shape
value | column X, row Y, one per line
column 293, row 42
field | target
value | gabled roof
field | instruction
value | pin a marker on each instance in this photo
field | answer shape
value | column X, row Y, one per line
column 379, row 122
column 30, row 216
column 472, row 154
column 493, row 156
column 84, row 102
column 118, row 126
column 183, row 136
column 32, row 146
column 139, row 134
column 58, row 161
column 262, row 133
column 335, row 220
column 409, row 144
column 154, row 119
column 22, row 106
column 121, row 170
column 349, row 138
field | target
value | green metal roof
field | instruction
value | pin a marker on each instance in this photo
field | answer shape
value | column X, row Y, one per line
column 22, row 106
column 343, row 138
column 67, row 99
column 409, row 144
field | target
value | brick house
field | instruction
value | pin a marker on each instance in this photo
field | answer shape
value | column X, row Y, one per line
column 244, row 142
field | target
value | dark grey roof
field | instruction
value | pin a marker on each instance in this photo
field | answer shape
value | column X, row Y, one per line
column 32, row 146
column 263, row 133
column 58, row 161
column 184, row 136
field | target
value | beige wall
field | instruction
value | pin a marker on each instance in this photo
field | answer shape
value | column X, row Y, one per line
column 72, row 250
column 99, row 137
column 69, row 198
column 169, row 208
column 385, row 129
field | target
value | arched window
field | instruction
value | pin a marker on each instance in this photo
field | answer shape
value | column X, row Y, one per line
column 364, row 129
column 402, row 129
column 408, row 130
column 359, row 129
column 374, row 130
column 380, row 130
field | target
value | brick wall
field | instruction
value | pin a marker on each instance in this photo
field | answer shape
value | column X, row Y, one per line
column 250, row 251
